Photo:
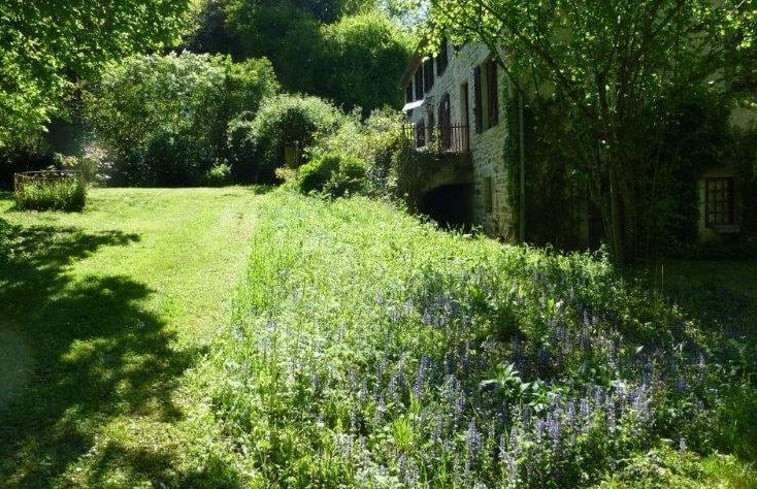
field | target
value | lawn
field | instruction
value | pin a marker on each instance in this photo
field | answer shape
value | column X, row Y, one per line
column 101, row 312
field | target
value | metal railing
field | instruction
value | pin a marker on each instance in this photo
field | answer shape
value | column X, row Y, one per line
column 453, row 139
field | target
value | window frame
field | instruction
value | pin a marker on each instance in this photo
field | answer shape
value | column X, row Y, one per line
column 719, row 192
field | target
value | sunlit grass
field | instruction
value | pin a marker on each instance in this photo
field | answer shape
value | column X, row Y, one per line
column 112, row 305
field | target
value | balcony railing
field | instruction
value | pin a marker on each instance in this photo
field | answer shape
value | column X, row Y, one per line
column 453, row 139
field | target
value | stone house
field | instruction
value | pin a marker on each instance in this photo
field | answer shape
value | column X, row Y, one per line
column 456, row 103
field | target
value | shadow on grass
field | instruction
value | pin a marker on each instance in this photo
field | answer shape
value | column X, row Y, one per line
column 96, row 353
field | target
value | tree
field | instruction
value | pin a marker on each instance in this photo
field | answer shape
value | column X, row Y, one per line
column 617, row 70
column 164, row 118
column 46, row 46
column 363, row 57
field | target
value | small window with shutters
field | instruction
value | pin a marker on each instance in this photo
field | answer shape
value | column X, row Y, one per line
column 488, row 195
column 442, row 60
column 428, row 75
column 477, row 109
column 419, row 83
column 719, row 204
column 486, row 96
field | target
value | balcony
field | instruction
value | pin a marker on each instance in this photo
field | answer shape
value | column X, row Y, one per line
column 453, row 139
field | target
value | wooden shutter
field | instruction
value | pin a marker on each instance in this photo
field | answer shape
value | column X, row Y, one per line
column 491, row 78
column 477, row 110
column 419, row 83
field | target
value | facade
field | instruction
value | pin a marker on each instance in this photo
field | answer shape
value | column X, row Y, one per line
column 456, row 105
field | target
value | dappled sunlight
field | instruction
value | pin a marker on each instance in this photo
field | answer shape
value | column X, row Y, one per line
column 99, row 353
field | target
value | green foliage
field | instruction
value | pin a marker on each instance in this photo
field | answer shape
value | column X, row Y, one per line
column 618, row 86
column 287, row 121
column 68, row 194
column 368, row 350
column 366, row 55
column 664, row 468
column 346, row 51
column 218, row 176
column 47, row 46
column 378, row 141
column 334, row 175
column 164, row 118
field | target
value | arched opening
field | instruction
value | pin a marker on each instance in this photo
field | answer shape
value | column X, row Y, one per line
column 450, row 205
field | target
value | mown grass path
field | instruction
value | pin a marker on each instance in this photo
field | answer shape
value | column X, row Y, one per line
column 101, row 315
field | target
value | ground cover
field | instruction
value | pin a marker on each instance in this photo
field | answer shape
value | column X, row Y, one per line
column 101, row 312
column 368, row 350
column 217, row 338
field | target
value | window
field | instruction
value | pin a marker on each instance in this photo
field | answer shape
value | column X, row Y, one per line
column 445, row 122
column 719, row 203
column 420, row 134
column 428, row 75
column 419, row 83
column 443, row 59
column 486, row 95
column 488, row 195
column 431, row 125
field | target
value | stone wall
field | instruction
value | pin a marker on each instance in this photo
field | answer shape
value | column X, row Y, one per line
column 487, row 148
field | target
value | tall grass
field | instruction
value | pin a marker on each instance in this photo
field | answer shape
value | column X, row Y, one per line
column 369, row 350
column 64, row 195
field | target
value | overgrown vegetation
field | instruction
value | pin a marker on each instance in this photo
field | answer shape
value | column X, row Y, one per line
column 367, row 350
column 346, row 51
column 164, row 119
column 62, row 194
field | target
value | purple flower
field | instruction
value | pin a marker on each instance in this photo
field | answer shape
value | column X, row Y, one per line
column 473, row 438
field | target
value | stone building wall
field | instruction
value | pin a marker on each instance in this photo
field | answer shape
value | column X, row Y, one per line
column 488, row 147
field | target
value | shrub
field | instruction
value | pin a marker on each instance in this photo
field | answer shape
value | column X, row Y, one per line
column 334, row 175
column 291, row 122
column 218, row 176
column 377, row 142
column 241, row 148
column 68, row 194
column 164, row 118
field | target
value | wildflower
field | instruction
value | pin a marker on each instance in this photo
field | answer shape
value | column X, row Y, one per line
column 473, row 439
column 554, row 430
column 426, row 318
column 420, row 378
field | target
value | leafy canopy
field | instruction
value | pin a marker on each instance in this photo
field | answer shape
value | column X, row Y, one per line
column 617, row 70
column 48, row 45
column 164, row 118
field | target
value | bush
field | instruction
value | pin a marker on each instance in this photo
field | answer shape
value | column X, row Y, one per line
column 378, row 142
column 164, row 118
column 64, row 195
column 218, row 176
column 291, row 122
column 334, row 175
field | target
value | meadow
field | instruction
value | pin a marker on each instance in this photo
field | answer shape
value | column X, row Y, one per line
column 370, row 350
column 233, row 338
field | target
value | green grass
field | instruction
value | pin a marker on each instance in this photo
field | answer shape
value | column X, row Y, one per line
column 104, row 311
column 220, row 338
column 320, row 381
